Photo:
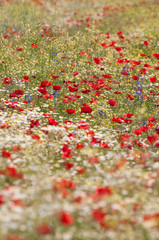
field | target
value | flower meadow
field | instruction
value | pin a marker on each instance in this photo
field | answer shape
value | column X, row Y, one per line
column 79, row 120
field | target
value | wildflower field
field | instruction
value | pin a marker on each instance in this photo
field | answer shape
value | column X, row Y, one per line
column 79, row 120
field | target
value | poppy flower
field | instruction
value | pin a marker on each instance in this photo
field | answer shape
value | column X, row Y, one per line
column 73, row 89
column 75, row 73
column 19, row 49
column 112, row 102
column 128, row 115
column 147, row 65
column 1, row 199
column 156, row 68
column 42, row 90
column 119, row 49
column 137, row 131
column 96, row 60
column 104, row 145
column 54, row 77
column 66, row 218
column 135, row 77
column 153, row 79
column 143, row 71
column 130, row 97
column 93, row 159
column 146, row 43
column 157, row 130
column 34, row 123
column 35, row 45
column 52, row 121
column 86, row 91
column 156, row 55
column 86, row 109
column 152, row 138
column 7, row 81
column 48, row 96
column 19, row 92
column 152, row 119
column 6, row 154
column 117, row 92
column 35, row 137
column 12, row 172
column 25, row 79
column 98, row 215
column 70, row 111
column 68, row 165
column 107, row 76
column 56, row 87
column 45, row 84
column 101, row 191
column 44, row 229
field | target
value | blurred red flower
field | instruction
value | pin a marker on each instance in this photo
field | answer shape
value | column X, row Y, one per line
column 112, row 102
column 66, row 218
column 70, row 111
column 35, row 45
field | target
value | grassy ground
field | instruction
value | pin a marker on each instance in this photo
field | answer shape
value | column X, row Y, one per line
column 79, row 132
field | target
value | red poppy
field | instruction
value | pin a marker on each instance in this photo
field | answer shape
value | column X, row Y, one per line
column 137, row 131
column 107, row 76
column 86, row 91
column 1, row 199
column 112, row 102
column 54, row 77
column 68, row 165
column 98, row 215
column 52, row 121
column 44, row 229
column 42, row 90
column 75, row 73
column 6, row 154
column 157, row 130
column 45, row 84
column 147, row 65
column 93, row 159
column 128, row 115
column 101, row 191
column 34, row 123
column 25, row 79
column 72, row 89
column 70, row 111
column 152, row 138
column 152, row 119
column 130, row 97
column 48, row 96
column 146, row 43
column 35, row 137
column 156, row 55
column 7, row 81
column 135, row 77
column 19, row 92
column 156, row 68
column 56, row 87
column 104, row 145
column 35, row 45
column 66, row 152
column 66, row 218
column 86, row 109
column 119, row 49
column 143, row 71
column 79, row 146
column 153, row 79
column 96, row 60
